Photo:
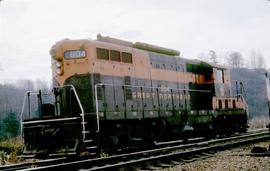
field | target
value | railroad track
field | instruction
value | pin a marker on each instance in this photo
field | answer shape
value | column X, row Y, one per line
column 28, row 165
column 162, row 157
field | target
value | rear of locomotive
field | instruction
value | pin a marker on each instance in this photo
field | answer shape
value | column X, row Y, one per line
column 58, row 124
column 231, row 110
column 226, row 113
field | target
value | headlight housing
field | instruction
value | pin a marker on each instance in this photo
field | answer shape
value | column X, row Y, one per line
column 59, row 67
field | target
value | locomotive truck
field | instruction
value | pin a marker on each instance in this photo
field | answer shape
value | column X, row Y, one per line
column 113, row 95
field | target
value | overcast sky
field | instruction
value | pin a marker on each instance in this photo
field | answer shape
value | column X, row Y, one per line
column 28, row 28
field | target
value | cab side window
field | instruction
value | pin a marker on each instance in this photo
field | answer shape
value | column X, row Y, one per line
column 102, row 53
column 126, row 57
column 115, row 55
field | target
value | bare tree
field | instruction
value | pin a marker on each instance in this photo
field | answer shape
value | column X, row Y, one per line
column 41, row 84
column 202, row 57
column 26, row 84
column 213, row 56
column 256, row 60
column 235, row 59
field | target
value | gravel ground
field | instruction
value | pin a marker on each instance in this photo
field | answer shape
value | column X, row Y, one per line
column 229, row 160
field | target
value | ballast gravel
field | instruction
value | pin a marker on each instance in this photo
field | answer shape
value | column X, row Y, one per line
column 229, row 160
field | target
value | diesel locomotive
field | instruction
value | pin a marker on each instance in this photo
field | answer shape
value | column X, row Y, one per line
column 113, row 95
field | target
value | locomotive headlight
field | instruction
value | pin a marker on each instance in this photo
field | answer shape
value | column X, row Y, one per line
column 58, row 64
column 59, row 71
column 59, row 68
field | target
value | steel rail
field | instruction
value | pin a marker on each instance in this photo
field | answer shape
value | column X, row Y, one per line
column 178, row 154
column 23, row 166
column 156, row 154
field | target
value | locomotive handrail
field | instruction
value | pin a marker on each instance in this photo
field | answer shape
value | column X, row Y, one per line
column 117, row 85
column 96, row 99
column 80, row 105
column 27, row 93
column 182, row 89
column 51, row 120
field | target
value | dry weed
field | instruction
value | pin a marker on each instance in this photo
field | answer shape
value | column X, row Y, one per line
column 259, row 122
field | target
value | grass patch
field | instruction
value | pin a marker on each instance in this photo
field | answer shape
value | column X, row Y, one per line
column 10, row 150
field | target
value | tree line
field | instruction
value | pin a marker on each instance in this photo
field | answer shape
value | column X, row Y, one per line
column 249, row 70
column 235, row 59
column 11, row 101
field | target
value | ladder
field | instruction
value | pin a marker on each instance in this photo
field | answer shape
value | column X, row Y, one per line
column 87, row 135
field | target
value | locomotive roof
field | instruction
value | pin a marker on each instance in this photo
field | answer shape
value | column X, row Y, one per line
column 126, row 44
column 139, row 45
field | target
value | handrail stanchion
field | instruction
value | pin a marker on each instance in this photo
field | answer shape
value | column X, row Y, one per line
column 97, row 109
column 82, row 110
column 21, row 115
column 27, row 94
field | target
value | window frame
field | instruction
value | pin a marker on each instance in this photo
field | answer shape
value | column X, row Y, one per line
column 124, row 61
column 113, row 51
column 108, row 54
